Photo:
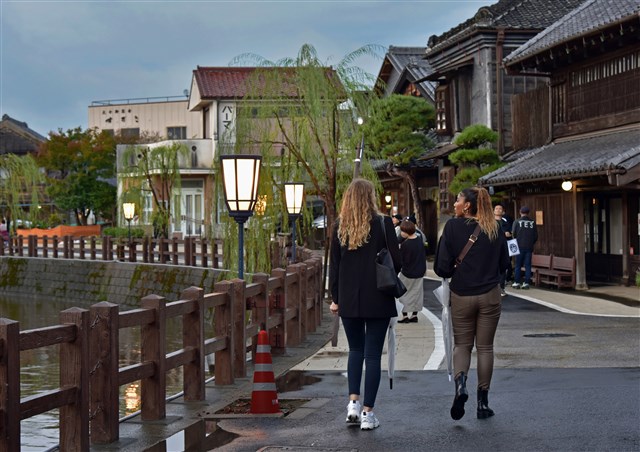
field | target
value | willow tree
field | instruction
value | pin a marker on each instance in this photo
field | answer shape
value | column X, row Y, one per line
column 20, row 183
column 154, row 171
column 397, row 131
column 300, row 114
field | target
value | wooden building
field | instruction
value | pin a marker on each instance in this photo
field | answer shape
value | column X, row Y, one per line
column 582, row 128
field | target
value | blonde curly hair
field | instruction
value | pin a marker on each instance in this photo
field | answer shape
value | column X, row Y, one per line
column 359, row 204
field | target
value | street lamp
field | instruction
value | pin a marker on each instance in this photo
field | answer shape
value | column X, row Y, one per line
column 387, row 200
column 358, row 160
column 240, row 177
column 129, row 210
column 294, row 194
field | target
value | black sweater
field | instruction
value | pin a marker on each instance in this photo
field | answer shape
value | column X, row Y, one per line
column 414, row 261
column 480, row 270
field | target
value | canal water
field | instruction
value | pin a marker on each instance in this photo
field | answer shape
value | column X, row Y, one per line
column 40, row 367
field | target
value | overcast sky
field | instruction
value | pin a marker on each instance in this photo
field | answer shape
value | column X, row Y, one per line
column 57, row 56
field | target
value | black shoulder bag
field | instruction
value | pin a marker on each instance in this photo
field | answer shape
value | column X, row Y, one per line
column 387, row 280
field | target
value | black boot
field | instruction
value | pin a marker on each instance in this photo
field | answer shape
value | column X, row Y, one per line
column 457, row 409
column 483, row 404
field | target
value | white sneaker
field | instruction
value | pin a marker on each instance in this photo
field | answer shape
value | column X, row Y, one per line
column 515, row 285
column 369, row 421
column 525, row 286
column 353, row 412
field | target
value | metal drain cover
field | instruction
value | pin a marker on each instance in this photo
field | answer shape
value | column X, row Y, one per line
column 549, row 335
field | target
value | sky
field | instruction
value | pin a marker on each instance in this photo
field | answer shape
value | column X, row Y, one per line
column 58, row 56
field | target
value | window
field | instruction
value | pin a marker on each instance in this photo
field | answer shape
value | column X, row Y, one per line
column 130, row 133
column 176, row 133
column 441, row 109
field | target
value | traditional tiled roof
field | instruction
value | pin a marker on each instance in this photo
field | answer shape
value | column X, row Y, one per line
column 17, row 138
column 586, row 156
column 508, row 14
column 235, row 82
column 586, row 19
column 410, row 59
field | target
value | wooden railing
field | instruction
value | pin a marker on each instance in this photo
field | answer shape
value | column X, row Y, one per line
column 287, row 303
column 192, row 251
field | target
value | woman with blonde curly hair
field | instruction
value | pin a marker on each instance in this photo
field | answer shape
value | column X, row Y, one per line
column 365, row 311
column 475, row 291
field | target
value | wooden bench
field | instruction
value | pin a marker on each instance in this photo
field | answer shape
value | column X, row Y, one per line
column 538, row 262
column 561, row 274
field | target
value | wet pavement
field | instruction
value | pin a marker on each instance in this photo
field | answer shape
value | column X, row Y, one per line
column 582, row 405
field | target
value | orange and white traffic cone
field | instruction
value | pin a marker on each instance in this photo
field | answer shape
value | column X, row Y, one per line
column 264, row 398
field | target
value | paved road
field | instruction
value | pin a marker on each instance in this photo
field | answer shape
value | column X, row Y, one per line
column 563, row 382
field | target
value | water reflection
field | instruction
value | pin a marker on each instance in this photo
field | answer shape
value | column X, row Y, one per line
column 39, row 368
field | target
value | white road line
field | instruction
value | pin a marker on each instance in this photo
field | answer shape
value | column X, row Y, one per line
column 438, row 345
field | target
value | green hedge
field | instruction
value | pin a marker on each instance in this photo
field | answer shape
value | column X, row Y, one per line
column 123, row 232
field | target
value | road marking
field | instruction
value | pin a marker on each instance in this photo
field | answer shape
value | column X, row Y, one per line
column 438, row 344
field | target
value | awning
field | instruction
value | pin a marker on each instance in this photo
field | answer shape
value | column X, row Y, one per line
column 614, row 154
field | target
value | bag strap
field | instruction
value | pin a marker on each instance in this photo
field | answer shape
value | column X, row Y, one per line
column 472, row 239
column 384, row 231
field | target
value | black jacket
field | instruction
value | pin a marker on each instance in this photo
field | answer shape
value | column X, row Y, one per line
column 526, row 232
column 352, row 274
column 481, row 268
column 414, row 260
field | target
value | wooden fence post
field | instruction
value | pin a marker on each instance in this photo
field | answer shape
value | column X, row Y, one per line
column 293, row 307
column 9, row 385
column 260, row 311
column 154, row 388
column 239, row 328
column 74, row 371
column 174, row 249
column 301, row 270
column 193, row 337
column 278, row 304
column 222, row 327
column 92, row 245
column 145, row 249
column 203, row 253
column 103, row 375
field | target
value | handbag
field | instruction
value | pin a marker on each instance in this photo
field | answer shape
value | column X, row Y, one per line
column 513, row 247
column 387, row 280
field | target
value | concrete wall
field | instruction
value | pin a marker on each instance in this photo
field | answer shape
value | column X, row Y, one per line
column 94, row 281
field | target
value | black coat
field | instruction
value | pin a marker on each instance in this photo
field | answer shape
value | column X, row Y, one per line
column 352, row 274
column 480, row 269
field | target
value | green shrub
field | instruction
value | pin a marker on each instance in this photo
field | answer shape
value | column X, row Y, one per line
column 638, row 277
column 118, row 232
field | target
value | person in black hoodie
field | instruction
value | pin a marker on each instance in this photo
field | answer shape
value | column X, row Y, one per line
column 475, row 291
column 526, row 233
column 365, row 311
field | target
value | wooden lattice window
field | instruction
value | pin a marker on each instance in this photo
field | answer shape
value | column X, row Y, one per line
column 442, row 97
column 446, row 199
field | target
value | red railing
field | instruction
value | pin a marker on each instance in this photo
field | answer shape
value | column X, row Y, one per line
column 287, row 303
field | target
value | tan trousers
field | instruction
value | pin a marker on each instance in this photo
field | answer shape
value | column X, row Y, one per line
column 475, row 319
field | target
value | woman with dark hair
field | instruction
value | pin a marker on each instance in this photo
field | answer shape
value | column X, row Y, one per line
column 475, row 290
column 414, row 266
column 358, row 236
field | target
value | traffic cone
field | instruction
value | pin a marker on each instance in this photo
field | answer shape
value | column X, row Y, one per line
column 264, row 398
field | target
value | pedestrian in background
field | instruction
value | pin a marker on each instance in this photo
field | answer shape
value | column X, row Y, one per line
column 397, row 219
column 505, row 226
column 526, row 233
column 414, row 266
column 475, row 291
column 365, row 312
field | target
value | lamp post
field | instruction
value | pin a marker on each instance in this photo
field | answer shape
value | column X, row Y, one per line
column 129, row 211
column 294, row 194
column 360, row 151
column 240, row 177
column 387, row 200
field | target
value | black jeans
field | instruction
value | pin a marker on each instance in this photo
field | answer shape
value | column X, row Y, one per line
column 366, row 340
